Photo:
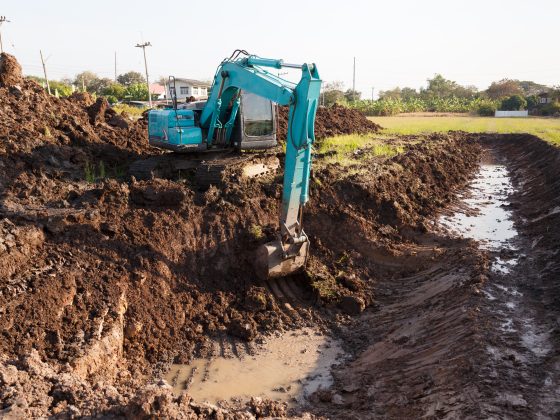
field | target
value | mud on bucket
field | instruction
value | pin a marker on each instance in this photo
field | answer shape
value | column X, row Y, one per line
column 275, row 260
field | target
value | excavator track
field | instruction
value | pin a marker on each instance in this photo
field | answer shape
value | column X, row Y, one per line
column 205, row 169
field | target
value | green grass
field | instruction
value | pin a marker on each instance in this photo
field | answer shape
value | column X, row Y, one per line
column 133, row 111
column 345, row 146
column 546, row 128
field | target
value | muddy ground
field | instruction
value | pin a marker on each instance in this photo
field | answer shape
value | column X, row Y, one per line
column 105, row 280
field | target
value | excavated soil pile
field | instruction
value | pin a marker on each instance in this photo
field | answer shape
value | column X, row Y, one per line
column 332, row 121
column 35, row 126
column 10, row 71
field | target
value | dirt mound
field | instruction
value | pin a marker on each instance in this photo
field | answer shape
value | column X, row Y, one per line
column 10, row 71
column 331, row 121
column 33, row 123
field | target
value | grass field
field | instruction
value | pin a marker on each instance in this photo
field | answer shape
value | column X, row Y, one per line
column 546, row 128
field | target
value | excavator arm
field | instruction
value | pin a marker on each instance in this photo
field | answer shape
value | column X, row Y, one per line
column 289, row 252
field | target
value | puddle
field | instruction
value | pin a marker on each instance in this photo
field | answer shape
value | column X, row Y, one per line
column 488, row 220
column 503, row 266
column 286, row 368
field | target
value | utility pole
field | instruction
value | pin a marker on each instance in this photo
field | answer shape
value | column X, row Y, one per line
column 115, row 67
column 354, row 82
column 143, row 46
column 2, row 20
column 372, row 88
column 45, row 72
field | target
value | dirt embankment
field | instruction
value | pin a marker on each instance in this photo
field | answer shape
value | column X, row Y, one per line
column 331, row 121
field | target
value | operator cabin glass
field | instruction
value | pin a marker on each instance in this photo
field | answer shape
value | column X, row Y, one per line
column 257, row 115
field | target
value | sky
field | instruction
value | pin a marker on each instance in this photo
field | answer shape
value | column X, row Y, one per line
column 395, row 42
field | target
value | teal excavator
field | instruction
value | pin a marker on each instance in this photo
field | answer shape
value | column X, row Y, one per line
column 240, row 114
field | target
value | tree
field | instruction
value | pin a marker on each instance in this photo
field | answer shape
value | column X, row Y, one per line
column 532, row 102
column 99, row 85
column 439, row 87
column 395, row 93
column 408, row 93
column 514, row 103
column 87, row 79
column 131, row 78
column 531, row 88
column 352, row 95
column 114, row 92
column 504, row 89
column 137, row 92
column 332, row 93
column 60, row 87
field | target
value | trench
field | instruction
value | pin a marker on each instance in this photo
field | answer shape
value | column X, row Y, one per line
column 472, row 330
column 522, row 344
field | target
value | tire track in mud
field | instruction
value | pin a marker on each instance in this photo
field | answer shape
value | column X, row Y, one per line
column 523, row 369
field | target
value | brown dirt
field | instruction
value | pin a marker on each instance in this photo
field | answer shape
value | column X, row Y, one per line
column 10, row 71
column 331, row 121
column 103, row 284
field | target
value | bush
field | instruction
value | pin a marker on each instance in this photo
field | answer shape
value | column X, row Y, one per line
column 514, row 103
column 487, row 109
column 551, row 109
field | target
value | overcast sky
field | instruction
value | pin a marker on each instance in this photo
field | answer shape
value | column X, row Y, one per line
column 395, row 42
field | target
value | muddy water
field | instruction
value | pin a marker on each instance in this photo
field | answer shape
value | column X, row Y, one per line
column 286, row 368
column 484, row 215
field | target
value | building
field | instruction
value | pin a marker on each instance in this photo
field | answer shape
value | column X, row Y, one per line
column 157, row 91
column 189, row 87
column 545, row 98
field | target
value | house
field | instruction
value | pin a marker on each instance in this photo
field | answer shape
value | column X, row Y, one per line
column 189, row 87
column 545, row 98
column 157, row 91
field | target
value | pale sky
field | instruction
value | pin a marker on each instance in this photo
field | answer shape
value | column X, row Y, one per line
column 395, row 42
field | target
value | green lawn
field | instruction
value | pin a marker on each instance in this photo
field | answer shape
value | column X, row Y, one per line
column 546, row 128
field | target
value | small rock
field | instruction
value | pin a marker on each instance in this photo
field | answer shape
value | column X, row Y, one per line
column 352, row 305
column 337, row 399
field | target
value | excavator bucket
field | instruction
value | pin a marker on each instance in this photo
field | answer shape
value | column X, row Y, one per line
column 274, row 259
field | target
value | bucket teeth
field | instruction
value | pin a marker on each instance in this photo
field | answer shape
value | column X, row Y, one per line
column 274, row 259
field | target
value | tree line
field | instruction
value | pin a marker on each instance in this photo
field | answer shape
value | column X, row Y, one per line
column 128, row 86
column 444, row 95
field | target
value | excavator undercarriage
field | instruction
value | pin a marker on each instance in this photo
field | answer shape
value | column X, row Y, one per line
column 206, row 169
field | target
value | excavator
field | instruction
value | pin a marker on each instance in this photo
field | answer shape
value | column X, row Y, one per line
column 239, row 115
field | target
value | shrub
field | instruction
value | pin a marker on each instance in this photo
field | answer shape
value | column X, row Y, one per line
column 514, row 103
column 551, row 109
column 487, row 109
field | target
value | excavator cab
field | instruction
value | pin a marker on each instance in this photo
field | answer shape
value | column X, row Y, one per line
column 255, row 125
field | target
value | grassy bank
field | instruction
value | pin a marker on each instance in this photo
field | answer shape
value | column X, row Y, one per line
column 546, row 128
